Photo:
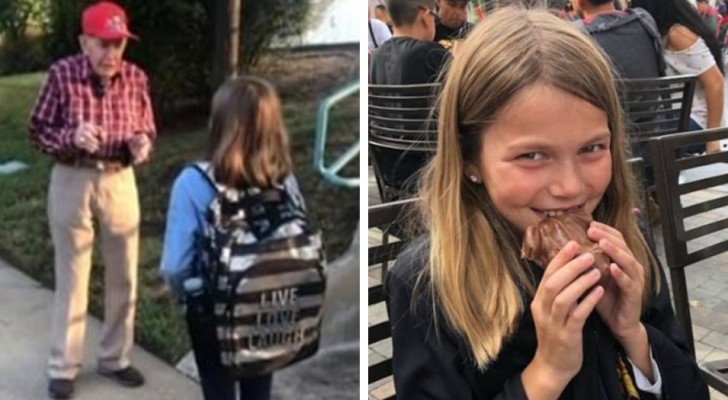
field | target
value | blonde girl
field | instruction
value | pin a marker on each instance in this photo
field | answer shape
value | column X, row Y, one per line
column 530, row 126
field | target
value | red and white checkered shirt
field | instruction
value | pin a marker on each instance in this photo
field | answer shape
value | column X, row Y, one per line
column 70, row 96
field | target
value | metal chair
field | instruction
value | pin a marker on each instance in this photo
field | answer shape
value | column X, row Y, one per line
column 655, row 107
column 684, row 239
column 636, row 165
column 402, row 135
column 382, row 216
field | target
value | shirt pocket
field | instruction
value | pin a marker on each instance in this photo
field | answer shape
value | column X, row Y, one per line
column 77, row 110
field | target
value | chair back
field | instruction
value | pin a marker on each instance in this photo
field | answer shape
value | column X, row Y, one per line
column 383, row 216
column 693, row 197
column 402, row 135
column 657, row 106
column 637, row 165
column 403, row 111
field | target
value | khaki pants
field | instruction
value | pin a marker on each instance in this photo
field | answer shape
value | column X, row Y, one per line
column 76, row 197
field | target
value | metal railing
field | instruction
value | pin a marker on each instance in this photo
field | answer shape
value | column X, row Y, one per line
column 331, row 173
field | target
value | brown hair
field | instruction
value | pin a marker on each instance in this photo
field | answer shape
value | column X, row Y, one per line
column 248, row 141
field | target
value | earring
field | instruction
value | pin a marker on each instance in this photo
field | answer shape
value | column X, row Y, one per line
column 473, row 179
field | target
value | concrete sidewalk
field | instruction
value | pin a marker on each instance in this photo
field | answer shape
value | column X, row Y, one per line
column 25, row 316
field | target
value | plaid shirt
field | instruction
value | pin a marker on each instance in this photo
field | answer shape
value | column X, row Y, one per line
column 71, row 96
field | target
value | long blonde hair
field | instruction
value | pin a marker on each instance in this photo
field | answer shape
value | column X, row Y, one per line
column 248, row 141
column 474, row 269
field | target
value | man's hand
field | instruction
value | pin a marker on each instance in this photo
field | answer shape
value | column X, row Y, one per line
column 87, row 137
column 140, row 147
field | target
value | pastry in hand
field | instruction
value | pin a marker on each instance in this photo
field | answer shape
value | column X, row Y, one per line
column 544, row 240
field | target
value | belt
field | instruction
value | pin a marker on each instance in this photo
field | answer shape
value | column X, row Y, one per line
column 99, row 165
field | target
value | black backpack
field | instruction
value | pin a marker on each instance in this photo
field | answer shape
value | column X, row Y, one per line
column 265, row 270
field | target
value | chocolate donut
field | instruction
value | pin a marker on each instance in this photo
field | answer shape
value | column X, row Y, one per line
column 544, row 240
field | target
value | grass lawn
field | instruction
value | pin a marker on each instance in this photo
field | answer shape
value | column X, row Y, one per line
column 25, row 240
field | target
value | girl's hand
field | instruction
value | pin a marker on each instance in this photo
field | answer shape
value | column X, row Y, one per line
column 564, row 299
column 621, row 306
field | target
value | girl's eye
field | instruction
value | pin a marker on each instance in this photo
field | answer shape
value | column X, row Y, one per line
column 593, row 148
column 536, row 155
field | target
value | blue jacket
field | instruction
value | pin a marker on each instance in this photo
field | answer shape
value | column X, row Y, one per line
column 191, row 196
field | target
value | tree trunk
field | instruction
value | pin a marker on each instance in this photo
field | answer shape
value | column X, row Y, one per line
column 221, row 37
column 234, row 48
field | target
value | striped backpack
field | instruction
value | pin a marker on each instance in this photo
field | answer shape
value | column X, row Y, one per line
column 264, row 265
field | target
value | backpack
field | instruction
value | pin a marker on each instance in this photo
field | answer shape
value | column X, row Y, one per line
column 264, row 268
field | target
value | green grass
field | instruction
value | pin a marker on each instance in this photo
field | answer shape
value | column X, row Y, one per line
column 25, row 240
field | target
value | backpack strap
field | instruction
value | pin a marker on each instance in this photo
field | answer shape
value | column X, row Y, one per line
column 371, row 34
column 279, row 193
column 207, row 172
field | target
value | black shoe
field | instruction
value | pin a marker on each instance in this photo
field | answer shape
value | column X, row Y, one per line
column 60, row 388
column 128, row 376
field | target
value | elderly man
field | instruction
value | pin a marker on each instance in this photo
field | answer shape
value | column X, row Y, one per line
column 93, row 117
column 452, row 20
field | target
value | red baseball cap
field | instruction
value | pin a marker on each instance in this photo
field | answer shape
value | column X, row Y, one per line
column 106, row 20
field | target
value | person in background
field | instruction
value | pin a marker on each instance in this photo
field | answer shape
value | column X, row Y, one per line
column 568, row 13
column 452, row 20
column 93, row 116
column 247, row 147
column 378, row 34
column 631, row 40
column 708, row 14
column 410, row 56
column 690, row 47
column 721, row 8
column 723, row 26
column 381, row 14
column 530, row 127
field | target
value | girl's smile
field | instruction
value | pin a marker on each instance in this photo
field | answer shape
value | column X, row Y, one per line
column 546, row 153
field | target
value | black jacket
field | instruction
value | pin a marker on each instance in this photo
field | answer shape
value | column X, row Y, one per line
column 443, row 32
column 430, row 364
column 403, row 60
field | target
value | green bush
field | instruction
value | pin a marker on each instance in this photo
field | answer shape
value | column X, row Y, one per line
column 16, row 16
column 23, row 55
column 20, row 45
column 263, row 20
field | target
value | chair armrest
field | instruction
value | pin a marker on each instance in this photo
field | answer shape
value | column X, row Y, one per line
column 716, row 374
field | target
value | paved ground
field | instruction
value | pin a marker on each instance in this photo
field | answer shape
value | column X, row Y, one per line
column 25, row 314
column 707, row 289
